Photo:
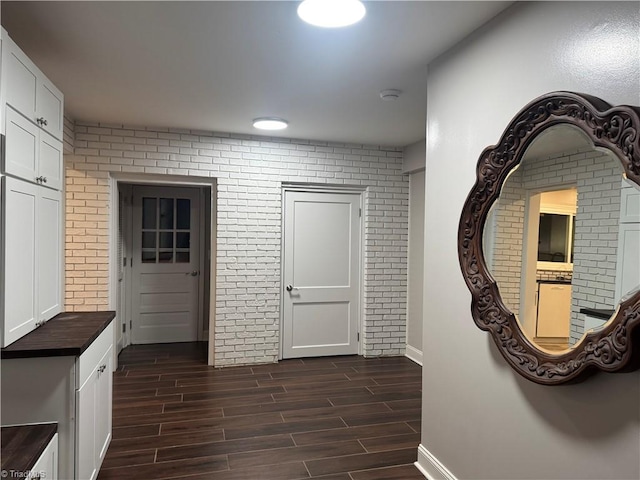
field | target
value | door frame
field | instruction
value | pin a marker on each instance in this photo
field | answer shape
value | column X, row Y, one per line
column 323, row 188
column 119, row 179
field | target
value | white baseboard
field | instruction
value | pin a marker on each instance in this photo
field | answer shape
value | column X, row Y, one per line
column 414, row 354
column 431, row 467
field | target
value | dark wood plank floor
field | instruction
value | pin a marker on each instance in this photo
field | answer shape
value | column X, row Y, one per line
column 334, row 418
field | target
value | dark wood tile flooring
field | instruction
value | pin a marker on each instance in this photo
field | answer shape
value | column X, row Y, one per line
column 333, row 418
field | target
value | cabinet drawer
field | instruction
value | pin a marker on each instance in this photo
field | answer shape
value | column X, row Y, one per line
column 90, row 360
column 46, row 467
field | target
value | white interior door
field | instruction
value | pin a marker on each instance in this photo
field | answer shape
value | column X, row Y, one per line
column 165, row 264
column 321, row 306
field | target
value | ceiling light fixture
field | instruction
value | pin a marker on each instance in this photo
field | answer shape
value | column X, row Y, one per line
column 331, row 13
column 270, row 123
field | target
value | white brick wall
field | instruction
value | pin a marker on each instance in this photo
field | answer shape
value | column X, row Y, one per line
column 597, row 177
column 249, row 171
column 509, row 234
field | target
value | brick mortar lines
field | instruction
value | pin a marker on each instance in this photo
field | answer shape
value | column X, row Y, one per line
column 249, row 172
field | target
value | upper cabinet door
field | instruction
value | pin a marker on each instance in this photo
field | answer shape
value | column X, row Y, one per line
column 49, row 105
column 50, row 163
column 29, row 91
column 20, row 78
column 629, row 204
column 21, row 150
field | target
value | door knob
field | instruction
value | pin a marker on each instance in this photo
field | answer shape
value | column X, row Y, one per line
column 289, row 288
column 194, row 273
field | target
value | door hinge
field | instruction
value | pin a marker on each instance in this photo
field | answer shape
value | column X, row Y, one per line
column 124, row 261
column 131, row 262
column 358, row 336
column 124, row 327
column 360, row 212
column 130, row 325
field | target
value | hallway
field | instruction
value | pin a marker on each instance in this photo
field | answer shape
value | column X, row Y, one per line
column 332, row 418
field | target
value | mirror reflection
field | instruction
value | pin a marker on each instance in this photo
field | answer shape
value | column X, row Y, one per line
column 563, row 240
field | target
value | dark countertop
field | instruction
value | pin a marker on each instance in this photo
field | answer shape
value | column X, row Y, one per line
column 22, row 445
column 603, row 313
column 66, row 334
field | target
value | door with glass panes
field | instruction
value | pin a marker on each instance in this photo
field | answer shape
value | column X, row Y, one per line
column 165, row 264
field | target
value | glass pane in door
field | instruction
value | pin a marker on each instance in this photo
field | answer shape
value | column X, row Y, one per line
column 149, row 212
column 166, row 213
column 183, row 213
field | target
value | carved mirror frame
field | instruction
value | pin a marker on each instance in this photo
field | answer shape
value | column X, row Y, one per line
column 614, row 348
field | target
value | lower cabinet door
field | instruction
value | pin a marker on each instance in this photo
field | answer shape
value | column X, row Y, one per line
column 93, row 404
column 103, row 408
column 46, row 467
column 19, row 209
column 86, row 398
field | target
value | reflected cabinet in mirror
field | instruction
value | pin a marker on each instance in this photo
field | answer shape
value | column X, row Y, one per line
column 549, row 239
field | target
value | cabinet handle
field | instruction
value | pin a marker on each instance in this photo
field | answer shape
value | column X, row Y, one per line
column 42, row 121
column 39, row 179
column 102, row 368
column 44, row 179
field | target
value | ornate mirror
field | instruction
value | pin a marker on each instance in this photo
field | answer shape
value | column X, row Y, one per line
column 549, row 239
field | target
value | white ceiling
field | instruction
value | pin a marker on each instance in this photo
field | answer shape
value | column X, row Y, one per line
column 217, row 65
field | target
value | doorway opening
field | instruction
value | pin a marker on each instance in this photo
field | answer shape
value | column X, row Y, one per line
column 548, row 266
column 163, row 260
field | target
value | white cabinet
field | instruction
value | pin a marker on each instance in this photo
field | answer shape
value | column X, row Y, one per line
column 628, row 255
column 93, row 407
column 28, row 90
column 554, row 310
column 49, row 235
column 31, row 153
column 628, row 265
column 73, row 391
column 32, row 251
column 19, row 206
column 46, row 467
column 31, row 219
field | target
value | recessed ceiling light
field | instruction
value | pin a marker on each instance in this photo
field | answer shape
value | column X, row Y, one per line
column 331, row 13
column 270, row 123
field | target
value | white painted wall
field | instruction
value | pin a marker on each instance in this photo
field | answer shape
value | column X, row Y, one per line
column 413, row 163
column 413, row 157
column 415, row 267
column 481, row 420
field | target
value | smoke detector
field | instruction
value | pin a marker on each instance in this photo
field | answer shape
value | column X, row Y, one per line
column 390, row 94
